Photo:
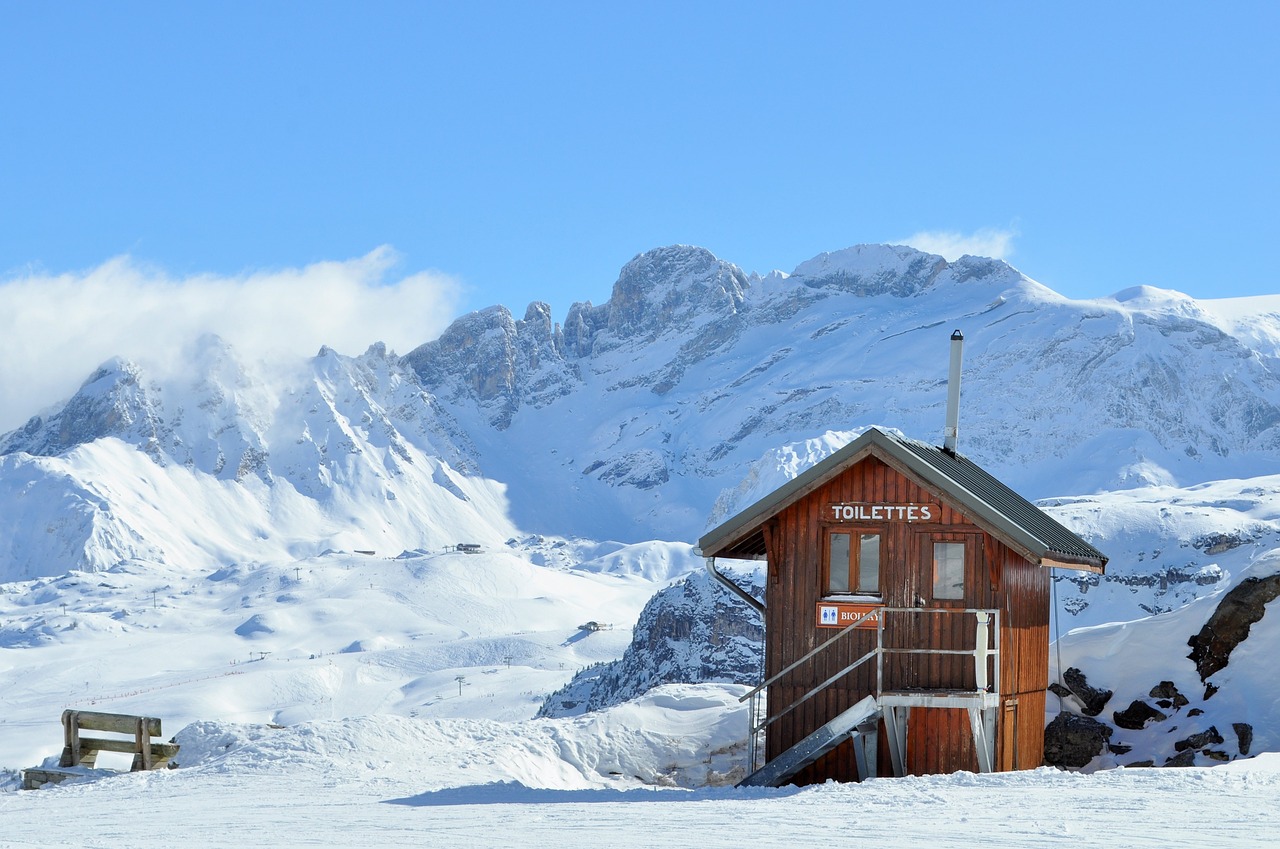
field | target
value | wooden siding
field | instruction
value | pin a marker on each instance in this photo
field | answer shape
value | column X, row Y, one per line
column 995, row 577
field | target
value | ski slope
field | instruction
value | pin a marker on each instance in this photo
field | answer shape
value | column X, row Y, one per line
column 358, row 784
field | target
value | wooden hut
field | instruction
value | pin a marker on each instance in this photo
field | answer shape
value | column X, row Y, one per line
column 906, row 616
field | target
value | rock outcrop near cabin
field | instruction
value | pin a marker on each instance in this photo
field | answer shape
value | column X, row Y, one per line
column 1162, row 726
column 692, row 632
column 1071, row 740
column 1092, row 699
column 1229, row 625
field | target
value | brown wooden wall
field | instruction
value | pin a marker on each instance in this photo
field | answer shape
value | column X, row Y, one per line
column 940, row 740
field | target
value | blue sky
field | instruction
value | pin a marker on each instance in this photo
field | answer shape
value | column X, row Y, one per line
column 527, row 150
column 172, row 167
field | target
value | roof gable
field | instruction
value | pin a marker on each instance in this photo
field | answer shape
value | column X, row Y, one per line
column 966, row 486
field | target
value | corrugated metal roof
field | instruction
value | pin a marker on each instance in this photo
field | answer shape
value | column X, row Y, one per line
column 990, row 503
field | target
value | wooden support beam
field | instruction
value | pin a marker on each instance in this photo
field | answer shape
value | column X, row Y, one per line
column 895, row 726
column 128, row 747
column 115, row 723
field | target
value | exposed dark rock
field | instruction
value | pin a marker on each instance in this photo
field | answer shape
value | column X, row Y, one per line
column 1168, row 695
column 1244, row 736
column 1071, row 740
column 1218, row 543
column 1229, row 625
column 1199, row 741
column 642, row 469
column 1119, row 749
column 1092, row 699
column 1136, row 716
column 1216, row 755
column 1195, row 712
column 1187, row 758
column 1141, row 764
column 1209, row 690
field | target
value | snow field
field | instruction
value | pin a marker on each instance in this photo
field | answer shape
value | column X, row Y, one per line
column 369, row 794
column 321, row 638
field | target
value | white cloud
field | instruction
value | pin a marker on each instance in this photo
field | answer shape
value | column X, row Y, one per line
column 989, row 241
column 55, row 329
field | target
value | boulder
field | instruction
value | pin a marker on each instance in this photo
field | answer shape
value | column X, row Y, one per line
column 1136, row 716
column 1092, row 699
column 1199, row 741
column 1244, row 736
column 1071, row 740
column 1167, row 695
column 1229, row 625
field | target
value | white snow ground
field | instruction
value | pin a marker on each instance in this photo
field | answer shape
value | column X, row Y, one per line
column 387, row 796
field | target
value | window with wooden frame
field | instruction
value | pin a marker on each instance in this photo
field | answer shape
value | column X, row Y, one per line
column 853, row 563
column 948, row 570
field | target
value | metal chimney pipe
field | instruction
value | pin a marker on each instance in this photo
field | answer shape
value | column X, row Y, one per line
column 952, row 431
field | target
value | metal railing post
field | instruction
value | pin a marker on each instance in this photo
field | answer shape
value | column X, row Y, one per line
column 980, row 650
column 879, row 656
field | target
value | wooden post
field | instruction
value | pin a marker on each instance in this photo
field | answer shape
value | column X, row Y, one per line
column 142, row 760
column 70, row 738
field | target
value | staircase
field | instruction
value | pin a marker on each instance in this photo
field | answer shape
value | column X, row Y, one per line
column 858, row 722
column 861, row 722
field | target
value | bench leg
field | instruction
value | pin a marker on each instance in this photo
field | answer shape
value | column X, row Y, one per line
column 142, row 756
column 70, row 738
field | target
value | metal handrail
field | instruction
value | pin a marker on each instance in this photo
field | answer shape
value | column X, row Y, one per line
column 981, row 652
column 818, row 689
column 821, row 647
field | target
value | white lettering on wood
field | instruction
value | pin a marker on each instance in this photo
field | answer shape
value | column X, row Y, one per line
column 866, row 512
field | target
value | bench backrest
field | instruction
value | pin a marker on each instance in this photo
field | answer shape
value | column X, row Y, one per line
column 79, row 750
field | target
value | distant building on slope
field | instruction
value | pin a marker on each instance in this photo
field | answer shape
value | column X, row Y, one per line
column 907, row 612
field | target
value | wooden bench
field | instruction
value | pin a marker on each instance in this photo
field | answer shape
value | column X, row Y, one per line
column 79, row 750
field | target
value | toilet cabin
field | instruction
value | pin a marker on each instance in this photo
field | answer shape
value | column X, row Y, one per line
column 906, row 615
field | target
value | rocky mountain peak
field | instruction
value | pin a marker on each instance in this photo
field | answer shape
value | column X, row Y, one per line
column 868, row 270
column 672, row 286
column 504, row 364
column 113, row 401
column 498, row 361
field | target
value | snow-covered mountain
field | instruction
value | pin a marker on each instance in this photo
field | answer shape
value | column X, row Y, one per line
column 220, row 463
column 628, row 420
column 647, row 406
column 1148, row 421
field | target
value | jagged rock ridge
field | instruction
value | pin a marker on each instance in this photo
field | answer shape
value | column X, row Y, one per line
column 692, row 632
